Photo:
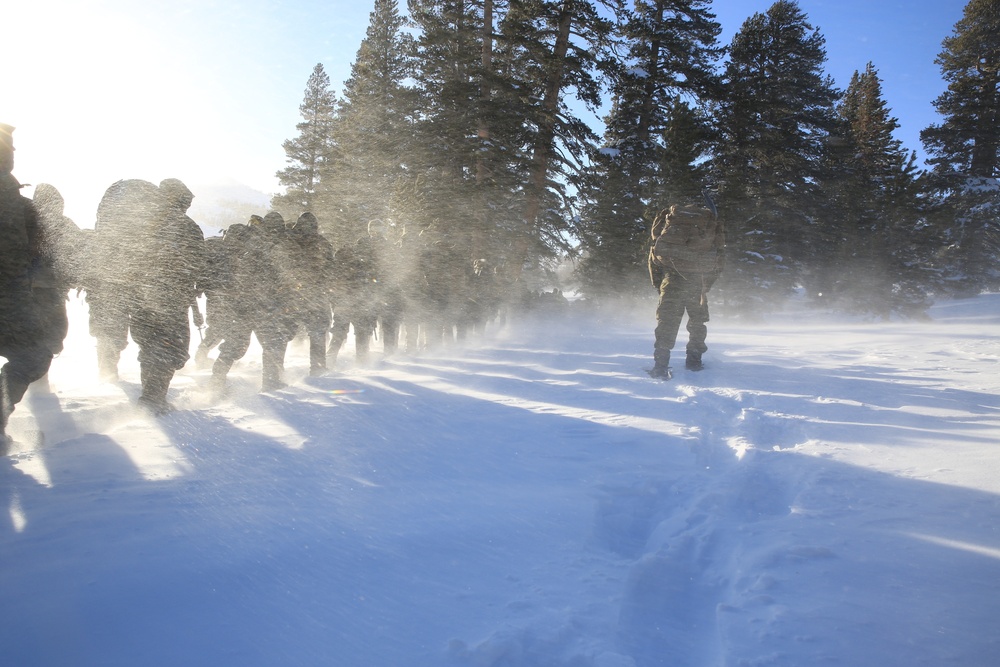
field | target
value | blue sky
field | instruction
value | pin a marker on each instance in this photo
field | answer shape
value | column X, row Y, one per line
column 207, row 90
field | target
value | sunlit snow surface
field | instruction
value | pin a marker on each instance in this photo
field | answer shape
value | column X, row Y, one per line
column 822, row 494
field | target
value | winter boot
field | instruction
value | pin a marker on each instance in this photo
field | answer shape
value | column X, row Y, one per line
column 201, row 359
column 661, row 366
column 217, row 384
column 155, row 382
column 317, row 355
column 693, row 361
column 107, row 362
column 272, row 366
column 333, row 350
column 660, row 373
column 362, row 344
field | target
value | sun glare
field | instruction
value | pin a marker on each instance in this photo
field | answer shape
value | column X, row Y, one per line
column 96, row 96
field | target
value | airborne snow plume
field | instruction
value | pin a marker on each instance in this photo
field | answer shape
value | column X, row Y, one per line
column 823, row 493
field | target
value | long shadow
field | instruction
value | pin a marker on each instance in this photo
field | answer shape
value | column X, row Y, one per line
column 945, row 534
column 853, row 404
column 106, row 567
column 413, row 518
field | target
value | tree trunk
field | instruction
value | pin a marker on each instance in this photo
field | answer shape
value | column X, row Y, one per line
column 483, row 171
column 542, row 151
column 649, row 86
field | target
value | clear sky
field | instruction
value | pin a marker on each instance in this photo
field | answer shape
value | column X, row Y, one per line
column 207, row 90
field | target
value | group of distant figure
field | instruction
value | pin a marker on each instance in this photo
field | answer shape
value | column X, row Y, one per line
column 146, row 265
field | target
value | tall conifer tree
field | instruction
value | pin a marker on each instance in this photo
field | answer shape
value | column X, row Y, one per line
column 870, row 257
column 451, row 127
column 373, row 132
column 309, row 153
column 548, row 49
column 774, row 119
column 965, row 149
column 655, row 136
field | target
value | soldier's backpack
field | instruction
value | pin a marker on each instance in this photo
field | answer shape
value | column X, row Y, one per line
column 126, row 224
column 687, row 241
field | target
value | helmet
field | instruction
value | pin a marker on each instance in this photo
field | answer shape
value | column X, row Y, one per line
column 48, row 200
column 127, row 201
column 307, row 223
column 273, row 222
column 177, row 193
column 7, row 135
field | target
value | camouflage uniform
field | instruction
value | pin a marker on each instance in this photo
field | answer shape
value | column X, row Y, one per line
column 260, row 296
column 414, row 289
column 217, row 310
column 173, row 260
column 114, row 257
column 443, row 293
column 354, row 299
column 59, row 270
column 683, row 286
column 388, row 289
column 22, row 246
column 312, row 270
column 147, row 254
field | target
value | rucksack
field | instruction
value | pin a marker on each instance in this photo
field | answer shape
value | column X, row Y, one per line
column 687, row 242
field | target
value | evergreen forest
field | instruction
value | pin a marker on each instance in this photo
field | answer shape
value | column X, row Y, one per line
column 464, row 125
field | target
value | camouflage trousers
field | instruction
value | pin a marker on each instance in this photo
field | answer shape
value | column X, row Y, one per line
column 273, row 331
column 677, row 296
column 23, row 345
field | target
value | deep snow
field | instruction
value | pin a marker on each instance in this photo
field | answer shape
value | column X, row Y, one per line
column 823, row 493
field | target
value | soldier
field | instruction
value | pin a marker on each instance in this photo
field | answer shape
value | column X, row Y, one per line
column 216, row 305
column 238, row 283
column 59, row 270
column 386, row 255
column 172, row 260
column 147, row 256
column 411, row 268
column 123, row 215
column 312, row 270
column 355, row 299
column 22, row 247
column 259, row 291
column 444, row 288
column 684, row 262
column 475, row 299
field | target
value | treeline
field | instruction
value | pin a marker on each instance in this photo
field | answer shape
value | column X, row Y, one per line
column 462, row 121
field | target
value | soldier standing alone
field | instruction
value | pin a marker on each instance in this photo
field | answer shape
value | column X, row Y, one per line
column 684, row 262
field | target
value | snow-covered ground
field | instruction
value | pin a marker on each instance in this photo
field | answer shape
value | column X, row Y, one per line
column 823, row 493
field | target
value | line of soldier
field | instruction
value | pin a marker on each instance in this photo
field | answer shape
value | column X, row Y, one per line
column 278, row 281
column 145, row 263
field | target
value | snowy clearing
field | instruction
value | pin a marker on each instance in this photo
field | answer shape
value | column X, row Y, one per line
column 823, row 493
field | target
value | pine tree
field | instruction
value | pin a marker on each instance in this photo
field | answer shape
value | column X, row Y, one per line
column 774, row 121
column 548, row 49
column 871, row 225
column 308, row 154
column 965, row 149
column 613, row 235
column 373, row 131
column 452, row 52
column 654, row 138
column 498, row 142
